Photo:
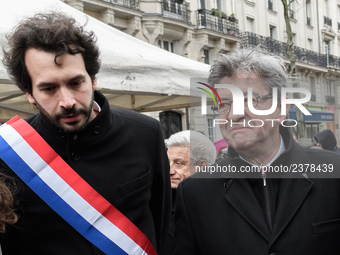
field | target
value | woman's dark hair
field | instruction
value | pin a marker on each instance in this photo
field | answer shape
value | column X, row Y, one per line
column 7, row 212
column 51, row 32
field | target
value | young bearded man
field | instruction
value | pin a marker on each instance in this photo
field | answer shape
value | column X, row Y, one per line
column 101, row 197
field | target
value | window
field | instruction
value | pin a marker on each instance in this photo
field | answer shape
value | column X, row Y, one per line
column 327, row 20
column 173, row 7
column 171, row 123
column 291, row 10
column 166, row 45
column 327, row 48
column 211, row 132
column 218, row 5
column 271, row 5
column 294, row 38
column 250, row 25
column 310, row 44
column 338, row 17
column 312, row 89
column 330, row 88
column 308, row 12
column 325, row 8
column 201, row 4
column 312, row 130
column 330, row 99
column 206, row 56
column 272, row 32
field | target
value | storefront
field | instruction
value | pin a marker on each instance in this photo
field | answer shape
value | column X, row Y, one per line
column 316, row 122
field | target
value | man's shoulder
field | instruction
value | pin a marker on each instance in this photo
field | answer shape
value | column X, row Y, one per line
column 134, row 118
column 200, row 182
column 324, row 155
column 34, row 120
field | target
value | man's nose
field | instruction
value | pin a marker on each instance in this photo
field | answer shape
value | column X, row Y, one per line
column 172, row 169
column 235, row 117
column 66, row 99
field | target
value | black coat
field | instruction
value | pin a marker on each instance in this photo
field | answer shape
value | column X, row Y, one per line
column 121, row 154
column 223, row 216
column 168, row 245
column 327, row 139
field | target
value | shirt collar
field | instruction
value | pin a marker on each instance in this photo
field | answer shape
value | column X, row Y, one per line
column 96, row 107
column 280, row 151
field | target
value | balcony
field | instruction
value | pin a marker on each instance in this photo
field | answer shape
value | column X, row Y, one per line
column 216, row 22
column 330, row 100
column 291, row 14
column 278, row 48
column 132, row 4
column 177, row 11
column 308, row 21
column 333, row 61
column 327, row 21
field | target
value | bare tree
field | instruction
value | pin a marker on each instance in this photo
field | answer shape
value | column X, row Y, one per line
column 301, row 127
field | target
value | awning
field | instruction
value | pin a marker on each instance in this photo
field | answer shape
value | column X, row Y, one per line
column 315, row 117
column 133, row 75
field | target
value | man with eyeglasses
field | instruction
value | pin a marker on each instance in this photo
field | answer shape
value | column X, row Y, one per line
column 266, row 196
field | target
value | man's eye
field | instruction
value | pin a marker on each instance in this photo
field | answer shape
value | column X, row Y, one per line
column 225, row 104
column 76, row 83
column 48, row 89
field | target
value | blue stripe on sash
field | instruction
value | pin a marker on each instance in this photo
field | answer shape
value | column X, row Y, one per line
column 14, row 161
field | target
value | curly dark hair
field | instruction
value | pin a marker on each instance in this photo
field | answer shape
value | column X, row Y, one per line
column 51, row 32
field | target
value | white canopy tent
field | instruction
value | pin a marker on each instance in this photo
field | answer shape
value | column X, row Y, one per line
column 133, row 75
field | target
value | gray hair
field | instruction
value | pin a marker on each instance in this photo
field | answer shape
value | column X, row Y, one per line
column 250, row 61
column 201, row 148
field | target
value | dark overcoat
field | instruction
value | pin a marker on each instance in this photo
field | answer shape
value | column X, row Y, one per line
column 222, row 216
column 121, row 154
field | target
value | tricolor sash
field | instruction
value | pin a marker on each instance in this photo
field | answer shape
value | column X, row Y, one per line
column 52, row 179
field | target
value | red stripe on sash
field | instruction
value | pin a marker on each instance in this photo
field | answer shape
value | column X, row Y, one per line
column 80, row 185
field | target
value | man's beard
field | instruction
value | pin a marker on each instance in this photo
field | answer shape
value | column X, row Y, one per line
column 55, row 119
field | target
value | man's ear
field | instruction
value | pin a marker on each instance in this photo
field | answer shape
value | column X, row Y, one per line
column 204, row 163
column 30, row 98
column 94, row 83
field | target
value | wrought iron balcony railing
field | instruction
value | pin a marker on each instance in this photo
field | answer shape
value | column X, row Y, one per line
column 327, row 21
column 132, row 4
column 330, row 100
column 220, row 23
column 333, row 61
column 280, row 49
column 308, row 21
column 178, row 11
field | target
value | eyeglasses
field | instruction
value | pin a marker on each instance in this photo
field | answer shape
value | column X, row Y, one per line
column 226, row 104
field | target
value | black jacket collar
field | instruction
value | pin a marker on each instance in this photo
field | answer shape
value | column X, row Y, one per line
column 99, row 126
column 293, row 153
column 293, row 191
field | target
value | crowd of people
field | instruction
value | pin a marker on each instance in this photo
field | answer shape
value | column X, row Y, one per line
column 70, row 185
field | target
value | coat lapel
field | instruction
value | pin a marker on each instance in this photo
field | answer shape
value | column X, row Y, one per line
column 292, row 194
column 241, row 196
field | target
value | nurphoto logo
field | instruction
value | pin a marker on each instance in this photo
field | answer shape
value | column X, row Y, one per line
column 238, row 101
